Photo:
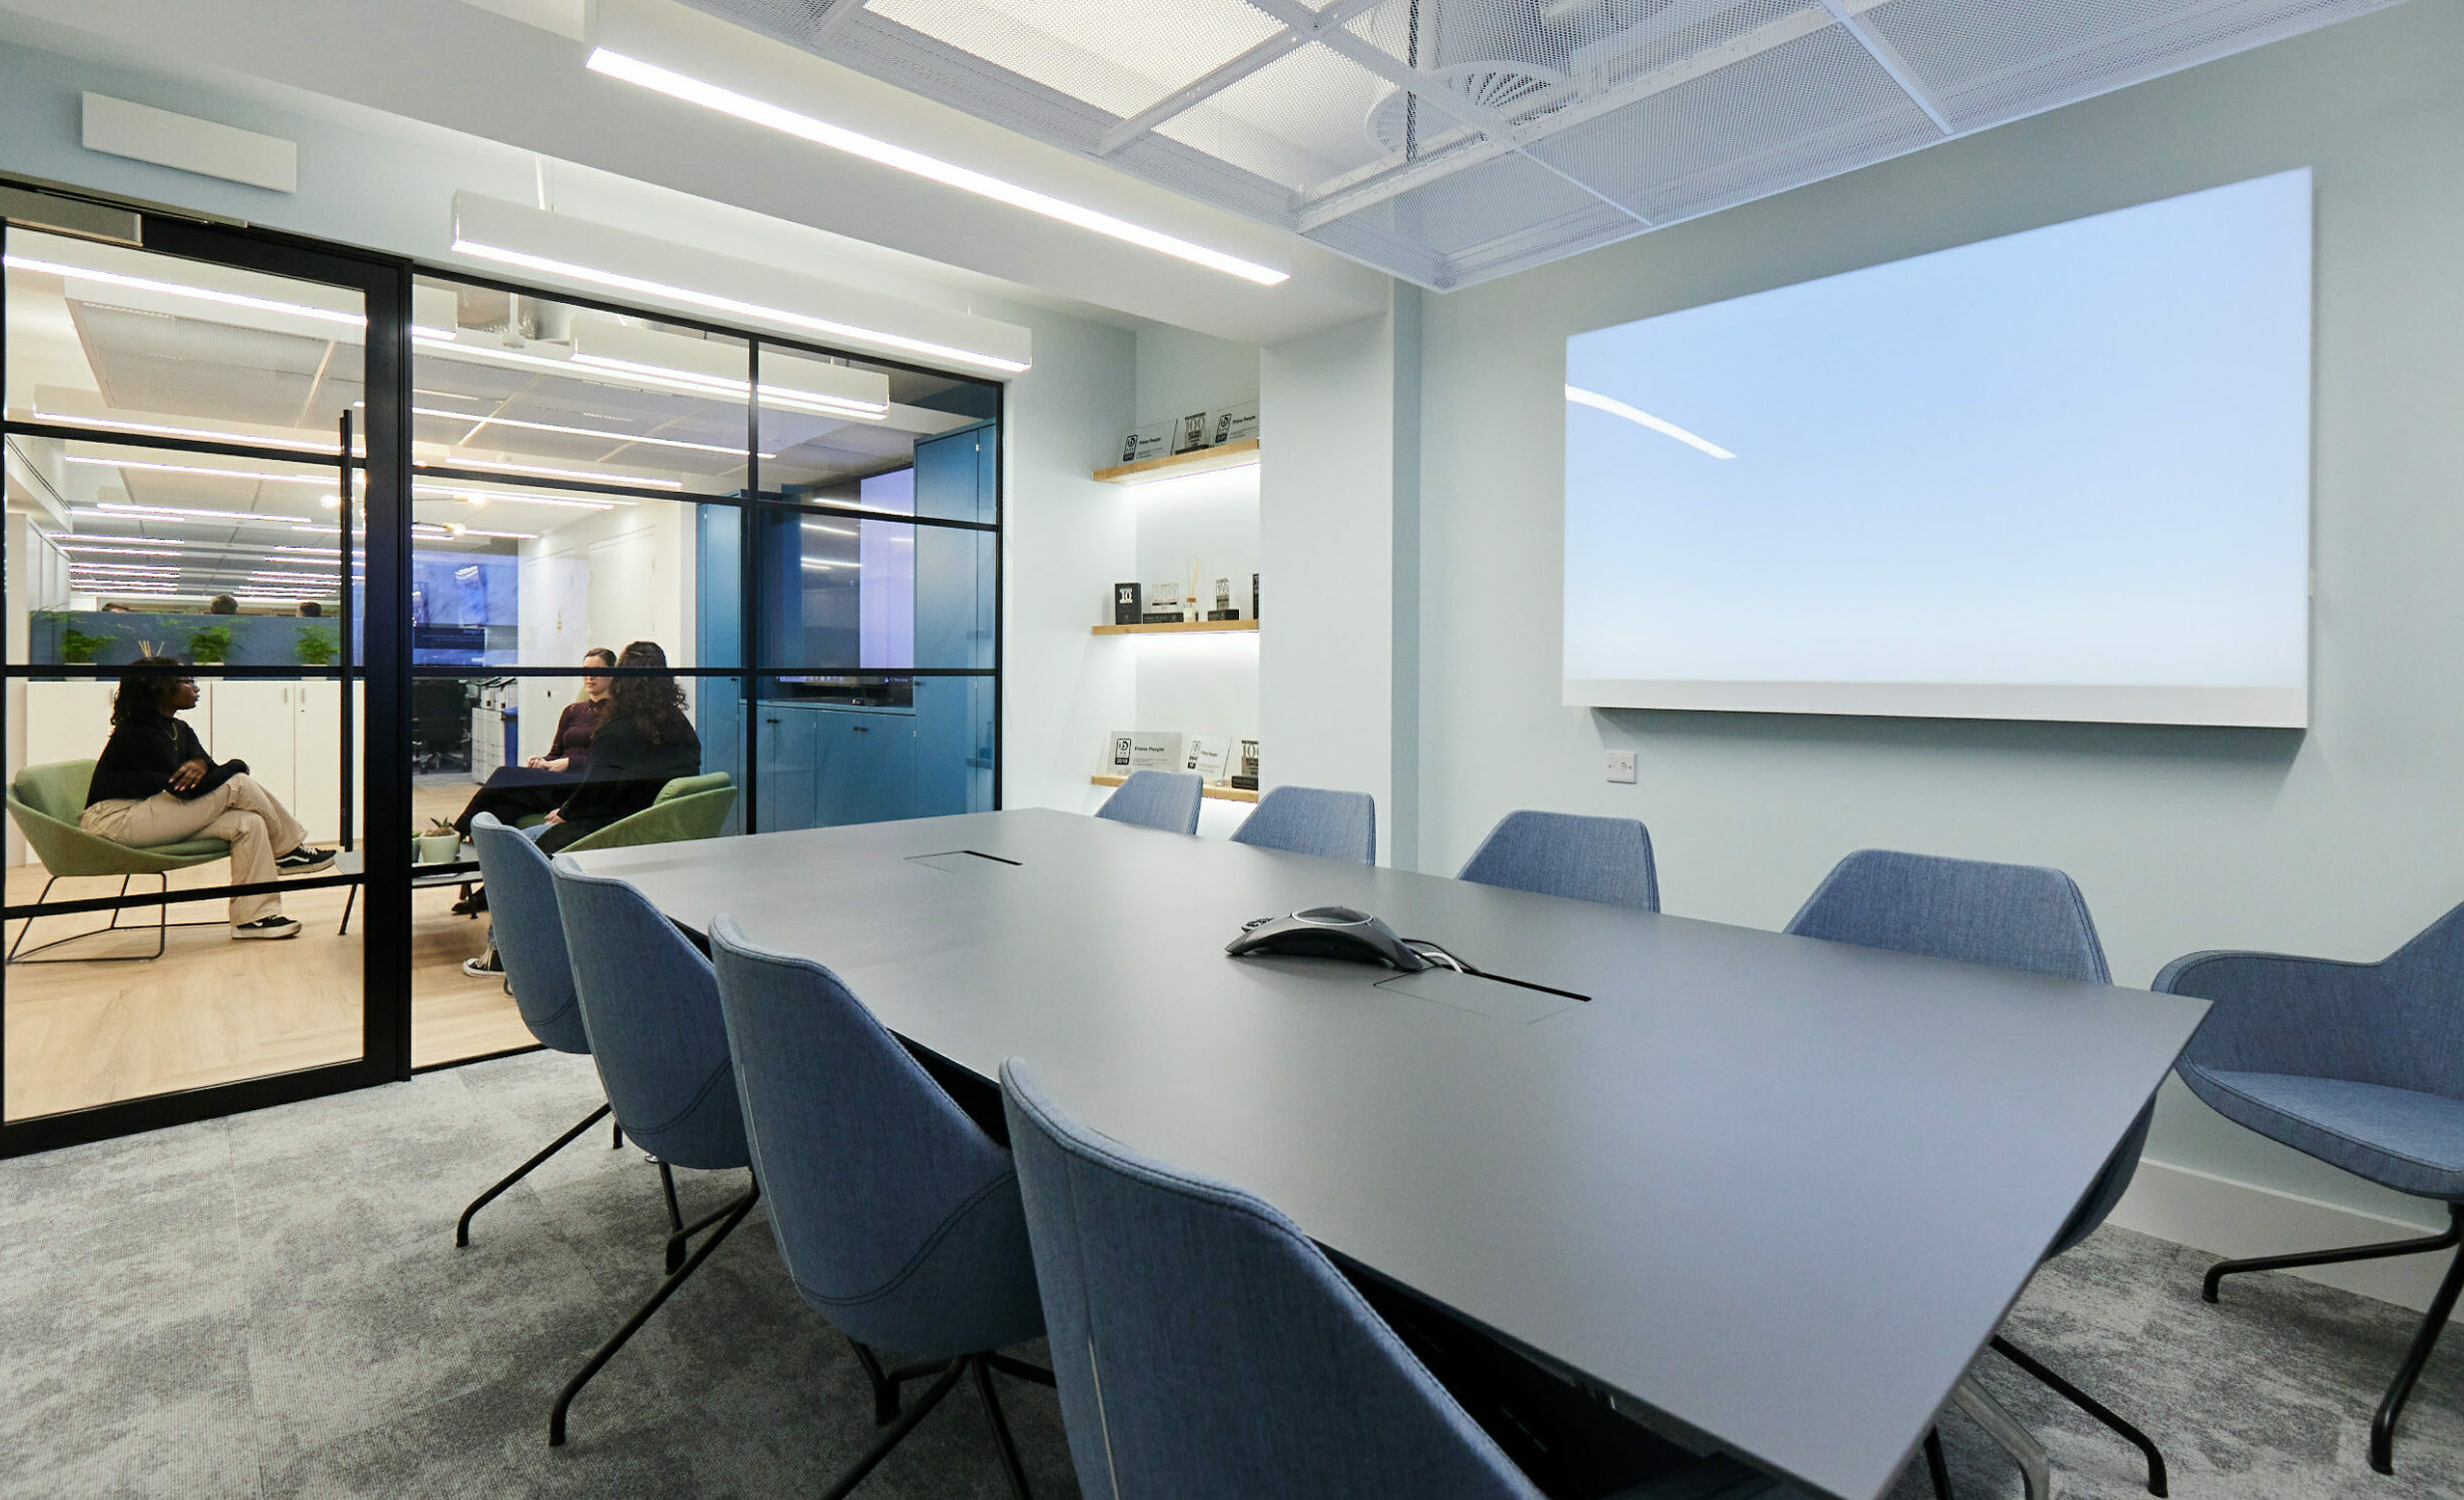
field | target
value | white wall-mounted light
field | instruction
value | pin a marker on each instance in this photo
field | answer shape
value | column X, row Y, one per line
column 161, row 288
column 839, row 138
column 717, row 366
column 490, row 229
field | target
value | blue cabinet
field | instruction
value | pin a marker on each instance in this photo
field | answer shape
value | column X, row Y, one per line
column 786, row 769
column 863, row 766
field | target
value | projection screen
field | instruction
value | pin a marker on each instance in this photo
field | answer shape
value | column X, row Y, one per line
column 2063, row 475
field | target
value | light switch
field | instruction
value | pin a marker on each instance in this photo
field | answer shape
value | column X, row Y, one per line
column 1621, row 766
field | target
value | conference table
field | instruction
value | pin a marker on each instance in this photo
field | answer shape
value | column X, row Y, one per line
column 1770, row 1194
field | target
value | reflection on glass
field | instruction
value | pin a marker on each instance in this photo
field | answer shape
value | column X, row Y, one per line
column 877, row 596
column 926, row 422
column 523, row 387
column 123, row 340
column 848, row 748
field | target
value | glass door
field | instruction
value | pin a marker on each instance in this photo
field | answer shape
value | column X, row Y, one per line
column 205, row 507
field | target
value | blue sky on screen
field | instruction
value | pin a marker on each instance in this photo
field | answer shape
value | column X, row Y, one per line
column 2078, row 455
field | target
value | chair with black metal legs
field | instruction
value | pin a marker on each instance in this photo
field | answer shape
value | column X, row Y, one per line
column 650, row 1003
column 2012, row 916
column 2360, row 1065
column 1206, row 1349
column 529, row 936
column 897, row 1214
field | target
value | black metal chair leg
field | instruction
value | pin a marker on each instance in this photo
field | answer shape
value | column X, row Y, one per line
column 864, row 1464
column 2090, row 1405
column 20, row 953
column 461, row 1227
column 18, row 940
column 616, row 1136
column 1020, row 1369
column 1936, row 1465
column 2383, row 1426
column 1011, row 1468
column 675, row 1219
column 2453, row 1237
column 633, row 1325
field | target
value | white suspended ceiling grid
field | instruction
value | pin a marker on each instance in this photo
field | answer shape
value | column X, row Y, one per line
column 1451, row 141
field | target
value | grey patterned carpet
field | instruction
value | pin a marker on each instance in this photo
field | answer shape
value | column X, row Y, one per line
column 272, row 1306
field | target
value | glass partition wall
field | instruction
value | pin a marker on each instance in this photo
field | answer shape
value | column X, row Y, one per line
column 809, row 541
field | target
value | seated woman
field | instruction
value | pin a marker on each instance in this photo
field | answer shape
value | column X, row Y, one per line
column 644, row 742
column 155, row 783
column 541, row 784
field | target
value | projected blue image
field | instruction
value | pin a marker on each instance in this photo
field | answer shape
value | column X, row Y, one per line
column 2064, row 473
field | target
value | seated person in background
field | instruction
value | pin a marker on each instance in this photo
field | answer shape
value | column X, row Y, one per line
column 222, row 603
column 541, row 784
column 643, row 743
column 309, row 610
column 155, row 783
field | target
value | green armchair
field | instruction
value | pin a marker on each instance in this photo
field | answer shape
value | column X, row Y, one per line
column 687, row 807
column 46, row 803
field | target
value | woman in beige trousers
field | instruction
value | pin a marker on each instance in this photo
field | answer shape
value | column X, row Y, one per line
column 155, row 783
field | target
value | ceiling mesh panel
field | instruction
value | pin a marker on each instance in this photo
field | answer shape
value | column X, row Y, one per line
column 1448, row 141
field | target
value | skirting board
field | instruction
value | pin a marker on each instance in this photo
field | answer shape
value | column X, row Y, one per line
column 2230, row 1218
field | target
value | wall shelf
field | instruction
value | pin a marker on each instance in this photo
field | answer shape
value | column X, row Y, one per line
column 1178, row 628
column 1219, row 794
column 1241, row 455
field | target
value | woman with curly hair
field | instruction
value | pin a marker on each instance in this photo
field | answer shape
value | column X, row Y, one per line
column 644, row 743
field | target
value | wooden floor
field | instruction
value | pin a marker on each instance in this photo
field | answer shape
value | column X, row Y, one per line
column 211, row 1011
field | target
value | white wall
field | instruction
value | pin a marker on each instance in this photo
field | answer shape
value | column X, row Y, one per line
column 2343, row 841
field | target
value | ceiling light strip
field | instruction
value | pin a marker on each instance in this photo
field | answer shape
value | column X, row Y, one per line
column 573, row 431
column 605, row 371
column 181, row 289
column 900, row 158
column 161, row 430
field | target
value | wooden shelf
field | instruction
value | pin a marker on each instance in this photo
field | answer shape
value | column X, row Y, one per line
column 1178, row 628
column 1219, row 794
column 1241, row 455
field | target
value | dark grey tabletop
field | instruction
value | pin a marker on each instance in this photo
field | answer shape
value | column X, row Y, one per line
column 1779, row 1191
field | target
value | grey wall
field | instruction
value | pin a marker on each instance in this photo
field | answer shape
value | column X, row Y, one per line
column 2343, row 841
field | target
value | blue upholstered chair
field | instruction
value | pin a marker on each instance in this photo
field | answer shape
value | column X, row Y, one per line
column 528, row 935
column 1564, row 854
column 1207, row 1350
column 2358, row 1064
column 650, row 1004
column 1166, row 799
column 2010, row 917
column 897, row 1215
column 1312, row 820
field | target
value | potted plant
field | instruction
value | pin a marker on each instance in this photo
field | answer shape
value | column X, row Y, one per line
column 77, row 647
column 211, row 645
column 439, row 844
column 316, row 647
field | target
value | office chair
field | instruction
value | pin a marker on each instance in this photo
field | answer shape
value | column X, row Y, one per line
column 2360, row 1065
column 1564, row 854
column 528, row 935
column 2012, row 916
column 896, row 1214
column 1206, row 1349
column 650, row 1004
column 1166, row 799
column 1312, row 820
column 46, row 803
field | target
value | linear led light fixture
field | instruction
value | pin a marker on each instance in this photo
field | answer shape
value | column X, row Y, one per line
column 611, row 343
column 773, row 397
column 1640, row 418
column 473, row 531
column 900, row 158
column 483, row 497
column 162, row 430
column 543, row 470
column 150, row 467
column 181, row 289
column 834, row 531
column 120, row 511
column 477, row 420
column 119, row 551
column 509, row 234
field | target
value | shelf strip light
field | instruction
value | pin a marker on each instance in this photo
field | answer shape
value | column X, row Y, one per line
column 900, row 158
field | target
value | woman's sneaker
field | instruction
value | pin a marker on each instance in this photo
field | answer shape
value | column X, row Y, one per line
column 489, row 968
column 302, row 859
column 267, row 927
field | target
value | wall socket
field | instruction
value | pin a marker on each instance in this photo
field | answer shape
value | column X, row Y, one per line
column 1621, row 766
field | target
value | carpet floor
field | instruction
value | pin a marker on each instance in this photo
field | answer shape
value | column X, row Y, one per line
column 272, row 1306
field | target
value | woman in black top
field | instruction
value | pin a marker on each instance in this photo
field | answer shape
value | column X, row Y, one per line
column 644, row 743
column 542, row 782
column 154, row 783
